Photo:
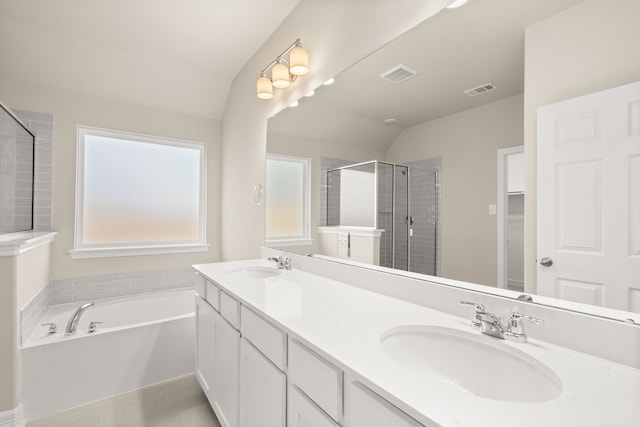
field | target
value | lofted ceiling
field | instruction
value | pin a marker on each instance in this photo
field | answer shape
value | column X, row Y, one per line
column 456, row 50
column 176, row 55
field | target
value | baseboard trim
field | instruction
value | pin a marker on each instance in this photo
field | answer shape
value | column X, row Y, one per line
column 12, row 418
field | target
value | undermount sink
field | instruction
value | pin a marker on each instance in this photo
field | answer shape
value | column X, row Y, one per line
column 474, row 363
column 256, row 272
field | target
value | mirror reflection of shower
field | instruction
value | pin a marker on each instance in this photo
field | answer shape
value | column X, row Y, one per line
column 382, row 213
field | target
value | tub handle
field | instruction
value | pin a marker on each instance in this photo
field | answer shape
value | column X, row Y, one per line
column 53, row 328
column 93, row 327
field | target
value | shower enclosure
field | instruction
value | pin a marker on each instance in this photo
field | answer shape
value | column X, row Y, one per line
column 400, row 201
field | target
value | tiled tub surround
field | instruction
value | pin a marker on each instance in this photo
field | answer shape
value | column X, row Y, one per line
column 82, row 289
column 143, row 339
column 345, row 324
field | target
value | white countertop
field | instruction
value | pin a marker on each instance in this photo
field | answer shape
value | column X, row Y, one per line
column 346, row 324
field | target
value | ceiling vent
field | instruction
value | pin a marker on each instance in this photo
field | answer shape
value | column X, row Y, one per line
column 487, row 87
column 398, row 74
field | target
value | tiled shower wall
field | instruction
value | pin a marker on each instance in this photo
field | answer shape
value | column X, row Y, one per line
column 385, row 213
column 16, row 178
column 42, row 125
column 425, row 209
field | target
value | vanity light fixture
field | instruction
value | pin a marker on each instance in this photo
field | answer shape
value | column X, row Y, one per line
column 283, row 71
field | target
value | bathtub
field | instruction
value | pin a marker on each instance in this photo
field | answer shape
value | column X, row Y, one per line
column 144, row 339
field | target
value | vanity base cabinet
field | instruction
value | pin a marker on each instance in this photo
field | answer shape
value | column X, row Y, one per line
column 302, row 412
column 365, row 408
column 205, row 345
column 263, row 394
column 226, row 372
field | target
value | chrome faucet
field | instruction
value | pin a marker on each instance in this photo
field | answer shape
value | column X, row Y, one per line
column 281, row 262
column 72, row 325
column 491, row 324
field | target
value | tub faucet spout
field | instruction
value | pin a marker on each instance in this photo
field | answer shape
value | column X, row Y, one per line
column 72, row 325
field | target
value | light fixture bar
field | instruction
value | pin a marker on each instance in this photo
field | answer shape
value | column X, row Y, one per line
column 272, row 63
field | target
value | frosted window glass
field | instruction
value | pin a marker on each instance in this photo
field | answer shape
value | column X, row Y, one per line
column 137, row 192
column 286, row 206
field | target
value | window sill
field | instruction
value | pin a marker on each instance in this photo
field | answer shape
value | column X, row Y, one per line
column 288, row 242
column 109, row 252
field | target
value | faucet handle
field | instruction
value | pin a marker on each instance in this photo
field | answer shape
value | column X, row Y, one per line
column 478, row 306
column 516, row 316
column 476, row 323
column 53, row 328
column 515, row 329
column 93, row 327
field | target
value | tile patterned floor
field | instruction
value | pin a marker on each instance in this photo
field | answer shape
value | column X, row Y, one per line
column 175, row 403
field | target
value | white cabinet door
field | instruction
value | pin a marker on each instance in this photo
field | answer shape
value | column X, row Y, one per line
column 262, row 390
column 226, row 371
column 205, row 341
column 302, row 412
column 367, row 409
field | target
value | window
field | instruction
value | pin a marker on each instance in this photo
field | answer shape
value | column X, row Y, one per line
column 138, row 195
column 287, row 201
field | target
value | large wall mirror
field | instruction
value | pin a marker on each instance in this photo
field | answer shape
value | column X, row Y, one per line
column 446, row 100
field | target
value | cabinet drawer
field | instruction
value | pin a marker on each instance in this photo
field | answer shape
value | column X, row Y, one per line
column 270, row 340
column 316, row 377
column 302, row 412
column 201, row 286
column 213, row 295
column 230, row 309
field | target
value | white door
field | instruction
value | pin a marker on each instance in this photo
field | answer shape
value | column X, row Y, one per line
column 589, row 199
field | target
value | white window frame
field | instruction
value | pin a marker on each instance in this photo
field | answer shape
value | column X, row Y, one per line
column 82, row 250
column 304, row 239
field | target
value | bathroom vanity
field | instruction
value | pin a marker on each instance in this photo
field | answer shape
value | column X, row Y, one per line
column 278, row 347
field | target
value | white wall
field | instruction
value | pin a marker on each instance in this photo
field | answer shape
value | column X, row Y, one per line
column 336, row 33
column 467, row 142
column 9, row 359
column 590, row 47
column 70, row 110
column 279, row 143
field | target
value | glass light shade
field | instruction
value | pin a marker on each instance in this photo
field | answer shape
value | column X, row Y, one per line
column 299, row 61
column 280, row 75
column 264, row 88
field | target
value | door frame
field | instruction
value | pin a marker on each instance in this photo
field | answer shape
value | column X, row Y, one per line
column 502, row 210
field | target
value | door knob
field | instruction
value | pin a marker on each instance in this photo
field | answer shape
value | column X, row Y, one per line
column 546, row 262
